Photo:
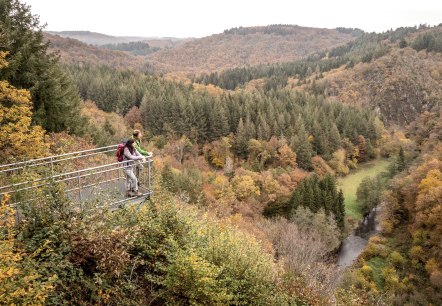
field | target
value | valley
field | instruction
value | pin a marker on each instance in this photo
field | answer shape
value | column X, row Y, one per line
column 271, row 145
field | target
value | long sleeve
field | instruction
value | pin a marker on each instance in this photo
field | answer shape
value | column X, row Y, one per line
column 140, row 149
column 129, row 156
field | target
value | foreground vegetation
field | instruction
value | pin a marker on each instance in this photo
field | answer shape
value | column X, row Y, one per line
column 163, row 253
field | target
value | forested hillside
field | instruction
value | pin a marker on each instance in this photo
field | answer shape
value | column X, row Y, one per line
column 136, row 48
column 311, row 125
column 246, row 208
column 73, row 51
column 249, row 46
column 96, row 39
column 100, row 40
column 401, row 85
column 402, row 265
column 398, row 73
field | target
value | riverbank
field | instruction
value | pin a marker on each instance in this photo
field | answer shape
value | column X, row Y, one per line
column 353, row 245
column 349, row 184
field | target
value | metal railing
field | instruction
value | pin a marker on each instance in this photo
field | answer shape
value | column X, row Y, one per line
column 80, row 182
column 56, row 159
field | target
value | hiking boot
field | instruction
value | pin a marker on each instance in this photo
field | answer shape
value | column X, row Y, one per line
column 129, row 194
column 137, row 194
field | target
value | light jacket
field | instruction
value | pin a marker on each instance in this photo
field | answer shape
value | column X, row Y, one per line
column 139, row 148
column 128, row 156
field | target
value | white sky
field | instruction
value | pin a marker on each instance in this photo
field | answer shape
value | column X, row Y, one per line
column 198, row 18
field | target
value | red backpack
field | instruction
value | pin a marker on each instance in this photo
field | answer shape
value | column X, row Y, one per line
column 120, row 152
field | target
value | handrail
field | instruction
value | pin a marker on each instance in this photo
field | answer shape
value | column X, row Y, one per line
column 49, row 158
column 78, row 180
column 56, row 161
column 118, row 166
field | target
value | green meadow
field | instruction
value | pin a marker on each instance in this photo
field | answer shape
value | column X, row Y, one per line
column 349, row 184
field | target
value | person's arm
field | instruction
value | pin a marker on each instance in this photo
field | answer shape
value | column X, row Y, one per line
column 130, row 156
column 139, row 149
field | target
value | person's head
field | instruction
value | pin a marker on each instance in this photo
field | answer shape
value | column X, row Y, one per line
column 137, row 134
column 130, row 143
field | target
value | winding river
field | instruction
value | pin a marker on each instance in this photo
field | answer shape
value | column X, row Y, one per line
column 353, row 245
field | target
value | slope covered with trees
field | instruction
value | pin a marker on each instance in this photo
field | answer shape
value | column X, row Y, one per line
column 93, row 38
column 136, row 48
column 72, row 51
column 223, row 160
column 363, row 48
column 396, row 72
column 401, row 85
column 249, row 46
column 312, row 125
column 402, row 265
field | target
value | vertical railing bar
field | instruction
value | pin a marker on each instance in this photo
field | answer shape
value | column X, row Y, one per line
column 79, row 188
column 149, row 174
column 52, row 167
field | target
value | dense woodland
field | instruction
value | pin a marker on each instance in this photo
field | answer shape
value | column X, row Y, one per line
column 367, row 47
column 403, row 262
column 137, row 47
column 72, row 51
column 248, row 46
column 311, row 124
column 246, row 210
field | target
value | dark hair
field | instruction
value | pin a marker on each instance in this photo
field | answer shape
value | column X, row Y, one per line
column 136, row 133
column 129, row 145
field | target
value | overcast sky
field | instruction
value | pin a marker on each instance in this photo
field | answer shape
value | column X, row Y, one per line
column 198, row 18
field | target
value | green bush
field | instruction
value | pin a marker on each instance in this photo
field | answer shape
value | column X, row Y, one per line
column 195, row 260
column 163, row 254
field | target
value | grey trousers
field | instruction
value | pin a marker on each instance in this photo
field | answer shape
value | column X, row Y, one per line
column 131, row 179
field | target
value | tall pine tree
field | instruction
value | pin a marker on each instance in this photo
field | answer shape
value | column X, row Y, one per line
column 55, row 100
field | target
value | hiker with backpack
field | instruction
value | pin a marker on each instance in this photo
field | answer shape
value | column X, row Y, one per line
column 136, row 136
column 128, row 153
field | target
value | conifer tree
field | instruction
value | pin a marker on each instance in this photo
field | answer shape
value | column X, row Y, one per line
column 55, row 99
column 302, row 148
column 340, row 212
column 241, row 141
column 401, row 164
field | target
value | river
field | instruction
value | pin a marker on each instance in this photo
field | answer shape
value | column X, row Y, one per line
column 353, row 245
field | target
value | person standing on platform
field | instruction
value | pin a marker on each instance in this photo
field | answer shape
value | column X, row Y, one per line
column 130, row 153
column 136, row 136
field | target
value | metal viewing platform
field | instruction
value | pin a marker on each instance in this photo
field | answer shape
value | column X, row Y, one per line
column 88, row 175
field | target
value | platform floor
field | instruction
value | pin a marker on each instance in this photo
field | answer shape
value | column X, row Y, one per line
column 111, row 193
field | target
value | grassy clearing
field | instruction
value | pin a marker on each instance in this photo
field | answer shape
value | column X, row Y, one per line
column 349, row 184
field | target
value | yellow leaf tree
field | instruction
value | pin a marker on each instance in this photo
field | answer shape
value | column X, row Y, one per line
column 20, row 284
column 18, row 138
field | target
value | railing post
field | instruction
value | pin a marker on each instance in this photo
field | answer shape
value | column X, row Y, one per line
column 52, row 167
column 149, row 174
column 79, row 187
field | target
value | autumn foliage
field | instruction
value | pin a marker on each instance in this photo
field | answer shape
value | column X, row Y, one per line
column 19, row 139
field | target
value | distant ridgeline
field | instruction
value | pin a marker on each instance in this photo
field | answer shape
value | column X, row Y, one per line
column 284, row 29
column 387, row 76
column 366, row 47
